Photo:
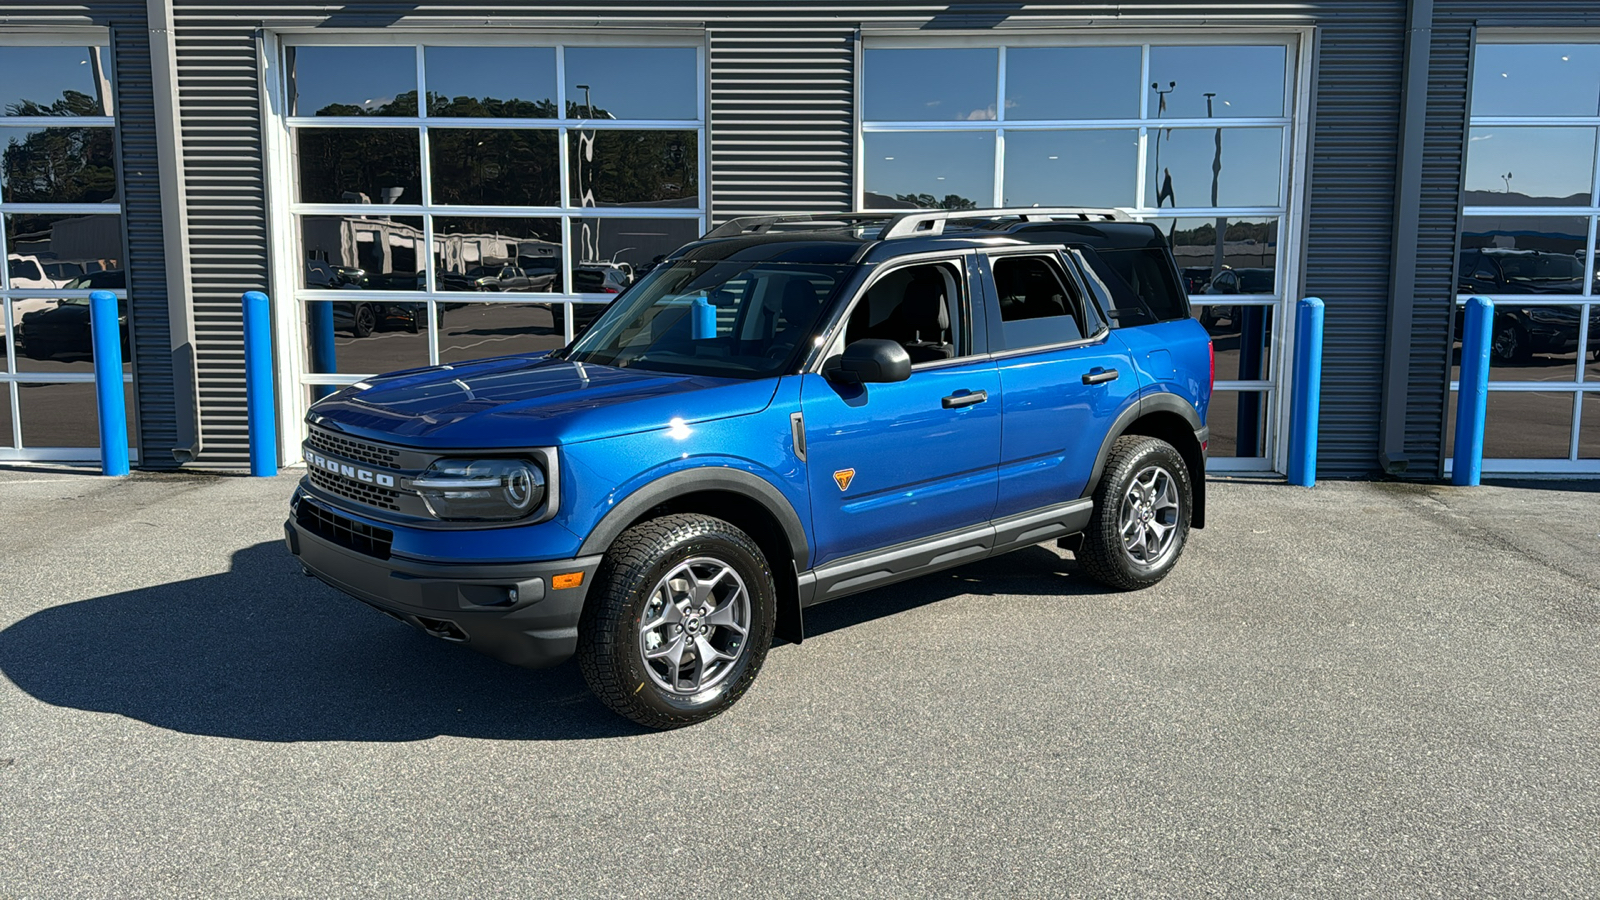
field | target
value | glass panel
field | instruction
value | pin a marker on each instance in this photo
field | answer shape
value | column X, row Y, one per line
column 1522, row 255
column 55, row 81
column 364, row 337
column 1072, row 168
column 496, row 254
column 1521, row 425
column 634, row 168
column 1530, row 343
column 1237, row 420
column 1198, row 167
column 49, row 251
column 1072, row 83
column 495, row 82
column 931, row 170
column 609, row 254
column 6, row 433
column 1530, row 166
column 932, row 85
column 478, row 330
column 632, row 83
column 1249, row 248
column 359, row 165
column 57, row 165
column 53, row 336
column 361, row 253
column 1589, row 427
column 1242, row 82
column 353, row 81
column 64, row 415
column 1241, row 336
column 494, row 167
column 1536, row 80
column 583, row 315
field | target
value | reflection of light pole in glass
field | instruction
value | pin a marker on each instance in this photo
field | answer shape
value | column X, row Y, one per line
column 1218, row 255
column 1164, row 185
column 590, row 242
column 1507, row 179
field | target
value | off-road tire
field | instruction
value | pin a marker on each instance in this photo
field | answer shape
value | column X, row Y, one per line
column 609, row 631
column 1103, row 554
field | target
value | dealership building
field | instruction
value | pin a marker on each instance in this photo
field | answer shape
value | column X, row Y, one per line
column 419, row 183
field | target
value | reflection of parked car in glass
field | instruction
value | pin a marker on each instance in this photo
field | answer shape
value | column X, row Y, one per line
column 1521, row 331
column 487, row 278
column 62, row 329
column 27, row 272
column 599, row 278
column 361, row 319
column 1195, row 279
column 1234, row 281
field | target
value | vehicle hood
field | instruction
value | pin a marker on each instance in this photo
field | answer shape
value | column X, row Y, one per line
column 524, row 401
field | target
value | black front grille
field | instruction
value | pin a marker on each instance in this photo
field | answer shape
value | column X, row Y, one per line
column 357, row 536
column 359, row 491
column 351, row 449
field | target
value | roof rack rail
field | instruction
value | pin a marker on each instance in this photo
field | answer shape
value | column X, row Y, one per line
column 927, row 223
column 763, row 224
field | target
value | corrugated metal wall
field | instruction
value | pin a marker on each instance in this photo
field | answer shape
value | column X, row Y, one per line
column 141, row 204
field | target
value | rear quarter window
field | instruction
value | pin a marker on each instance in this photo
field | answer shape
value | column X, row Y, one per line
column 1142, row 285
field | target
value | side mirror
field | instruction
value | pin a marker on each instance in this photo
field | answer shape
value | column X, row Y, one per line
column 872, row 360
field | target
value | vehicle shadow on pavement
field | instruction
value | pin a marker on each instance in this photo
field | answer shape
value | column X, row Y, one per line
column 264, row 653
column 1032, row 571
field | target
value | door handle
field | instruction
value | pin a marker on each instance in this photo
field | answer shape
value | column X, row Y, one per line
column 972, row 398
column 1098, row 375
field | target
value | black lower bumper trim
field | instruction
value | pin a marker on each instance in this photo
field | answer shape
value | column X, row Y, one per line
column 509, row 612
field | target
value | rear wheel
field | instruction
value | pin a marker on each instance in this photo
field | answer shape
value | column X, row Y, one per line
column 679, row 622
column 1141, row 514
column 364, row 321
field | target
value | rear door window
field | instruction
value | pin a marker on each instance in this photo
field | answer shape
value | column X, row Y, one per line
column 1039, row 305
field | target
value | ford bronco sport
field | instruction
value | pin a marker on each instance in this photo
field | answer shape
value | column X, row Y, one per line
column 787, row 411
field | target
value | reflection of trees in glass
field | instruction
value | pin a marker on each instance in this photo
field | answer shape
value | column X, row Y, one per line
column 1206, row 235
column 402, row 105
column 626, row 167
column 337, row 161
column 489, row 107
column 928, row 201
column 59, row 165
column 494, row 166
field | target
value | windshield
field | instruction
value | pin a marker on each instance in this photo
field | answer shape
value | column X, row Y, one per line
column 731, row 319
column 1541, row 267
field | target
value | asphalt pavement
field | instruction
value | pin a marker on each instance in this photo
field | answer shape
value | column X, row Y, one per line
column 1358, row 690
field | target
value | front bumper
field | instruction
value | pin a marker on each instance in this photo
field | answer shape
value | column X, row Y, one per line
column 509, row 612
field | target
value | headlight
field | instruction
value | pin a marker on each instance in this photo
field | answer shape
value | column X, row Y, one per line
column 481, row 488
column 1553, row 315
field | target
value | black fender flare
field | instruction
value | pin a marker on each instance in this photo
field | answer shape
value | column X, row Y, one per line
column 686, row 481
column 1148, row 405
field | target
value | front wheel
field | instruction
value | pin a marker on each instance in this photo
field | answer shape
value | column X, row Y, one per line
column 679, row 621
column 1141, row 514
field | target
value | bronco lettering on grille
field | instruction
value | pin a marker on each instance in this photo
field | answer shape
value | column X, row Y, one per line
column 347, row 471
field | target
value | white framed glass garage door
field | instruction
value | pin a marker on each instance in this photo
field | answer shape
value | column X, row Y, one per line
column 1196, row 133
column 1528, row 232
column 440, row 199
column 61, row 205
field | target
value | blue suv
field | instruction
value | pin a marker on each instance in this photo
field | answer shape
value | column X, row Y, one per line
column 787, row 411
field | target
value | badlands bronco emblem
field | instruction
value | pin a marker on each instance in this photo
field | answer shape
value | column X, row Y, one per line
column 349, row 471
column 843, row 478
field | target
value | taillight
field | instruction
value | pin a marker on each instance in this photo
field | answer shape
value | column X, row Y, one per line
column 1211, row 351
column 611, row 290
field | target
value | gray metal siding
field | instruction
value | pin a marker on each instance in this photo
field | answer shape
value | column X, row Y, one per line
column 141, row 216
column 1349, row 218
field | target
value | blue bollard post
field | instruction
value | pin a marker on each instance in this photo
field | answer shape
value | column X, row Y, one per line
column 106, row 335
column 260, row 402
column 1305, row 399
column 1473, row 397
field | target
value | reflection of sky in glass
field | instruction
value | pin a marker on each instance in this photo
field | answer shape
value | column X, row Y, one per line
column 43, row 74
column 365, row 77
column 501, row 73
column 1250, row 166
column 1545, row 164
column 1072, row 82
column 1071, row 168
column 1536, row 80
column 934, row 163
column 1248, row 81
column 636, row 242
column 930, row 85
column 634, row 82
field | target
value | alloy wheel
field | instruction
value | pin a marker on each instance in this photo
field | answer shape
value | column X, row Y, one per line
column 1148, row 519
column 693, row 629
